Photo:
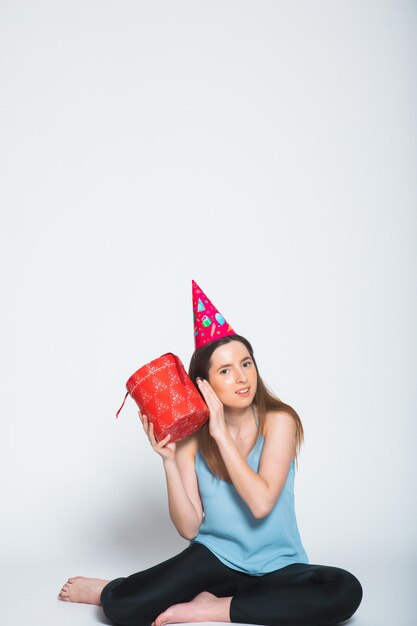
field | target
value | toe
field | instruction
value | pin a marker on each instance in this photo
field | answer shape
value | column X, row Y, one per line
column 161, row 619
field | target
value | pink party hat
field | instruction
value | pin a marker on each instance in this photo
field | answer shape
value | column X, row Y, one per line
column 209, row 324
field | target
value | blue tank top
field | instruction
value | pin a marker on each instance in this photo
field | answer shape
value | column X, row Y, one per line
column 239, row 540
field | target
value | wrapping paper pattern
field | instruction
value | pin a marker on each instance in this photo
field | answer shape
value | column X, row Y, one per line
column 165, row 393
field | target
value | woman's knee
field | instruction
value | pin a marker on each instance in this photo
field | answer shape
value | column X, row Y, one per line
column 350, row 593
column 356, row 592
column 118, row 609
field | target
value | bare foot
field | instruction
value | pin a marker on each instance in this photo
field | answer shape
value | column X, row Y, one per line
column 81, row 589
column 205, row 607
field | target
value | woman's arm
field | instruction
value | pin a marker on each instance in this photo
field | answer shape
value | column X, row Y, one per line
column 259, row 490
column 184, row 502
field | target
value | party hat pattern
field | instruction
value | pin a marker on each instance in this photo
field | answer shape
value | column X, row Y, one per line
column 209, row 323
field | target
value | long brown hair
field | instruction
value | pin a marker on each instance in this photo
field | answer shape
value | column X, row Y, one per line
column 265, row 400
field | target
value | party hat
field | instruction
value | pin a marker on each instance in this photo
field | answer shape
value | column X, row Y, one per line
column 209, row 324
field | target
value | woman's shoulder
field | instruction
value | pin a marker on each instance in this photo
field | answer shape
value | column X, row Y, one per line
column 279, row 429
column 277, row 419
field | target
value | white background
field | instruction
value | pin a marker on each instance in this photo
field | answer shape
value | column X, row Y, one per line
column 266, row 150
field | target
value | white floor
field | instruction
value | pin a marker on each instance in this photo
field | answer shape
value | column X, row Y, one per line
column 29, row 595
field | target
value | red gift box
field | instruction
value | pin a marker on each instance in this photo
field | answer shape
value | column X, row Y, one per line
column 166, row 394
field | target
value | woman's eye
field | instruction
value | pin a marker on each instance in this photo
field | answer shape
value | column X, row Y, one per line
column 244, row 364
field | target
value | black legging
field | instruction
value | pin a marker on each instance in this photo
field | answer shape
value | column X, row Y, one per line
column 297, row 595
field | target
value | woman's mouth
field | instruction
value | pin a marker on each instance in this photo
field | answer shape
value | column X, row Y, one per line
column 243, row 392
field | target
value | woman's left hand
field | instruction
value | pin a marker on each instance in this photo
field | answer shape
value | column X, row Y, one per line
column 217, row 425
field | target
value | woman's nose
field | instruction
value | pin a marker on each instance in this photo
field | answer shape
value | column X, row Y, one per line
column 241, row 376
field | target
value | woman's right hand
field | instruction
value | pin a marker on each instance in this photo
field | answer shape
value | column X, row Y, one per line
column 165, row 449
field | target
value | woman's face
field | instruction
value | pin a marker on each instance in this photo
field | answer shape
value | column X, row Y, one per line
column 233, row 370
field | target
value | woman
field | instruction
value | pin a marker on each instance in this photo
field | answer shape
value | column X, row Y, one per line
column 230, row 493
